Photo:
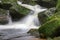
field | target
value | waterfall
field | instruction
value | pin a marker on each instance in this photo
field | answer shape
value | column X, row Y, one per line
column 9, row 18
column 28, row 22
column 24, row 25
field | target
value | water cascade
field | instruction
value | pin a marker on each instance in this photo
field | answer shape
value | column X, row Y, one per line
column 25, row 24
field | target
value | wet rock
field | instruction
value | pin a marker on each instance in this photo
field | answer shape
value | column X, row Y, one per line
column 3, row 16
column 58, row 5
column 43, row 16
column 51, row 27
column 30, row 2
column 34, row 32
column 47, row 3
column 27, row 38
column 16, row 16
column 5, row 6
column 8, row 34
column 17, row 12
column 9, row 1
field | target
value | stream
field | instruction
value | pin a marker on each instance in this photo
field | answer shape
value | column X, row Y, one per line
column 18, row 30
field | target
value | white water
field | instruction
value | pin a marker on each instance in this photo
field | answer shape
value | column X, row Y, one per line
column 25, row 24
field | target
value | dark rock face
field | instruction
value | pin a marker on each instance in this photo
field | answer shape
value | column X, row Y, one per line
column 51, row 27
column 47, row 3
column 16, row 16
column 30, row 2
column 16, row 11
column 34, row 32
column 5, row 6
column 57, row 32
column 42, row 18
column 46, row 14
column 3, row 16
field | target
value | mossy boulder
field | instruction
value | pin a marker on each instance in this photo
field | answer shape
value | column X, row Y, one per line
column 34, row 32
column 58, row 5
column 3, row 16
column 17, row 12
column 16, row 16
column 6, row 4
column 30, row 2
column 47, row 3
column 51, row 27
column 43, row 16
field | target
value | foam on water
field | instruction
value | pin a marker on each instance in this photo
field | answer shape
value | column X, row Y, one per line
column 28, row 22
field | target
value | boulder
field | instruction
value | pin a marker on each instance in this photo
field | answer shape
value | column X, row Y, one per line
column 3, row 16
column 58, row 5
column 34, row 32
column 5, row 6
column 51, row 28
column 43, row 16
column 47, row 3
column 16, row 16
column 17, row 12
column 30, row 2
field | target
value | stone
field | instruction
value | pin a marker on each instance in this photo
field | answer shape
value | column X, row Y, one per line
column 17, row 12
column 3, row 16
column 5, row 6
column 51, row 27
column 43, row 16
column 34, row 32
column 30, row 2
column 16, row 16
column 47, row 3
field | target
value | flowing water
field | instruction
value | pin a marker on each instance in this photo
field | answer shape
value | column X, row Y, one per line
column 20, row 28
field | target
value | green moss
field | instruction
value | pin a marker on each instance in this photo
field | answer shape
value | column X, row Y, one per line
column 49, row 28
column 47, row 3
column 32, row 3
column 3, row 12
column 20, row 9
column 3, row 16
column 9, row 1
column 58, row 5
column 15, row 6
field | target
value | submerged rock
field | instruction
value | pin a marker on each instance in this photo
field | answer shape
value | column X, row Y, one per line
column 34, row 32
column 3, row 16
column 47, row 3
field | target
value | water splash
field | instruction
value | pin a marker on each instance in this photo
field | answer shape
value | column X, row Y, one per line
column 9, row 18
column 27, row 22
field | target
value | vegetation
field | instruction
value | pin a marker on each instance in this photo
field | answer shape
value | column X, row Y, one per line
column 15, row 6
column 47, row 3
column 16, row 11
column 30, row 2
column 51, row 27
column 3, row 16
